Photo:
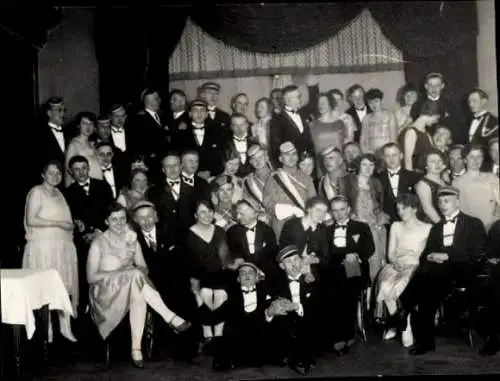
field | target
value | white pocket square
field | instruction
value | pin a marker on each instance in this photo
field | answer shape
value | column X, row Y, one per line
column 268, row 297
column 171, row 248
column 308, row 294
column 355, row 237
column 214, row 145
column 264, row 244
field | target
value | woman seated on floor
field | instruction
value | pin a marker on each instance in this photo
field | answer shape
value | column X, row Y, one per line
column 407, row 240
column 117, row 275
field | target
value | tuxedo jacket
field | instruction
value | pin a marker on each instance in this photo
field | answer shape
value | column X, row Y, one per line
column 283, row 129
column 222, row 121
column 487, row 129
column 120, row 167
column 177, row 214
column 407, row 181
column 201, row 188
column 176, row 124
column 235, row 309
column 246, row 168
column 91, row 209
column 358, row 122
column 359, row 240
column 211, row 149
column 266, row 248
column 293, row 234
column 469, row 241
column 443, row 108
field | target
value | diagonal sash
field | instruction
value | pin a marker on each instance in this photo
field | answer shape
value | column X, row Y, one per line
column 285, row 184
column 254, row 190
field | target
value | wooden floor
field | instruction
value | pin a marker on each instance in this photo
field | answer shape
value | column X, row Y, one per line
column 375, row 358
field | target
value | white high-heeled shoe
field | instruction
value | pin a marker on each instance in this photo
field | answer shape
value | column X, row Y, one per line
column 390, row 334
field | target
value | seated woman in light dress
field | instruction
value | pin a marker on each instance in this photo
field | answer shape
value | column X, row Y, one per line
column 117, row 275
column 407, row 240
column 136, row 191
column 407, row 96
column 49, row 237
column 479, row 190
column 81, row 145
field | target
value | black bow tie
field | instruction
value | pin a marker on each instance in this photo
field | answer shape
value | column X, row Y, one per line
column 337, row 226
column 116, row 130
column 189, row 180
column 240, row 139
column 291, row 280
column 109, row 169
column 252, row 229
column 361, row 109
column 198, row 128
column 250, row 290
column 292, row 111
column 392, row 174
column 173, row 182
column 57, row 129
column 478, row 117
column 85, row 185
column 451, row 220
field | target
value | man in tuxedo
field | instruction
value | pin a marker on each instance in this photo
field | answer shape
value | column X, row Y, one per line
column 358, row 109
column 204, row 137
column 209, row 92
column 493, row 151
column 289, row 126
column 395, row 179
column 102, row 130
column 190, row 162
column 345, row 273
column 120, row 136
column 240, row 141
column 49, row 139
column 239, row 104
column 163, row 254
column 253, row 240
column 456, row 163
column 433, row 103
column 294, row 312
column 174, row 200
column 178, row 116
column 150, row 134
column 114, row 169
column 451, row 256
column 88, row 200
column 484, row 125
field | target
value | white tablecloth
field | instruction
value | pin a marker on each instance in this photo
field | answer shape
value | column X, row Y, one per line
column 25, row 290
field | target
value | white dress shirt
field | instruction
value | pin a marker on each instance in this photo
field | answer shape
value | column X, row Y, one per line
column 251, row 238
column 178, row 114
column 475, row 124
column 86, row 186
column 296, row 119
column 109, row 176
column 150, row 237
column 199, row 133
column 294, row 285
column 449, row 229
column 155, row 116
column 249, row 299
column 118, row 136
column 340, row 234
column 59, row 135
column 241, row 147
column 187, row 179
column 175, row 186
column 211, row 111
column 394, row 180
column 361, row 113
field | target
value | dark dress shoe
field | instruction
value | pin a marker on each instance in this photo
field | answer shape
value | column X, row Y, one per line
column 138, row 363
column 421, row 349
column 398, row 321
column 490, row 347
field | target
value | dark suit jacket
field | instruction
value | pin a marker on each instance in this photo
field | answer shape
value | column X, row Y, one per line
column 246, row 168
column 407, row 181
column 201, row 188
column 235, row 311
column 177, row 214
column 469, row 241
column 487, row 129
column 91, row 209
column 210, row 151
column 352, row 112
column 120, row 173
column 283, row 129
column 222, row 120
column 266, row 248
column 174, row 123
column 359, row 241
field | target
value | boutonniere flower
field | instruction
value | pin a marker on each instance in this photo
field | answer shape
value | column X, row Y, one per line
column 446, row 115
column 308, row 294
column 268, row 297
column 171, row 248
column 214, row 145
column 165, row 127
column 182, row 126
column 355, row 237
column 264, row 244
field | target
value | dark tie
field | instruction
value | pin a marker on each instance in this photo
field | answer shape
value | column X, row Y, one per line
column 452, row 220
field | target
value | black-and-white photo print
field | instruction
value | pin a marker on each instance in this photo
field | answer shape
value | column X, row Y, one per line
column 250, row 191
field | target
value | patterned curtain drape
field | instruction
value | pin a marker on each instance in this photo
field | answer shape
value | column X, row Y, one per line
column 359, row 47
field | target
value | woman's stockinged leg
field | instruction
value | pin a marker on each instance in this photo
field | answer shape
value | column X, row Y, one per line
column 153, row 298
column 65, row 326
column 137, row 314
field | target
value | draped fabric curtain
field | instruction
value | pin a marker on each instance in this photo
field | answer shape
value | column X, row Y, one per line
column 359, row 47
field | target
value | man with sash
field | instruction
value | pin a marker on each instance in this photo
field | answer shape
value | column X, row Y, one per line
column 253, row 183
column 287, row 189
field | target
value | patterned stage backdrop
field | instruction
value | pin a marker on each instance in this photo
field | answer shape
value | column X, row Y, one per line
column 359, row 53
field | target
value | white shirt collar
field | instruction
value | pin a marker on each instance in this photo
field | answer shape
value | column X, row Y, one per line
column 187, row 176
column 433, row 99
column 53, row 125
column 343, row 223
column 178, row 113
column 481, row 113
column 152, row 113
column 252, row 226
column 151, row 233
column 453, row 215
column 394, row 170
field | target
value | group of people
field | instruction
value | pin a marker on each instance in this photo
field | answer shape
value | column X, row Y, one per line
column 255, row 242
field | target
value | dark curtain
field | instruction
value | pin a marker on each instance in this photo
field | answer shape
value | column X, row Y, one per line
column 434, row 37
column 275, row 28
column 133, row 47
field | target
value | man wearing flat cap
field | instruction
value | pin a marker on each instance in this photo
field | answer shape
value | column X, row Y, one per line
column 209, row 92
column 287, row 190
column 202, row 136
column 455, row 247
column 163, row 254
column 246, row 332
column 294, row 312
